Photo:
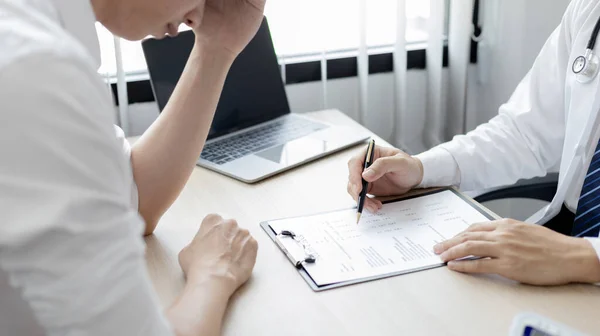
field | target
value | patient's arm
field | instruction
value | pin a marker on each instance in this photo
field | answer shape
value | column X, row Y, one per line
column 163, row 158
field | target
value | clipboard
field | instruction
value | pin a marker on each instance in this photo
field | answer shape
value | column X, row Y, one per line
column 298, row 263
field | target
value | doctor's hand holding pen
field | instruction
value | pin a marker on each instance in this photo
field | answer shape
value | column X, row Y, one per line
column 527, row 253
column 392, row 172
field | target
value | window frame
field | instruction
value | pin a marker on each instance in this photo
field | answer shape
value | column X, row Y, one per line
column 307, row 68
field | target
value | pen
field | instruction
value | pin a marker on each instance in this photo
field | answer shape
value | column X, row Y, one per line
column 363, row 193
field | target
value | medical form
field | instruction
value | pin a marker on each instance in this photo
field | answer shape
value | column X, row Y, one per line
column 397, row 239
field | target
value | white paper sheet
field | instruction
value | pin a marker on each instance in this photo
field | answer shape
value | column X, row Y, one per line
column 400, row 237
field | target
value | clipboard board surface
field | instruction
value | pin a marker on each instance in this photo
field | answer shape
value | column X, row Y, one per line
column 315, row 287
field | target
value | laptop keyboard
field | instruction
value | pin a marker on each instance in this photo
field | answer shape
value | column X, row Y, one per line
column 258, row 139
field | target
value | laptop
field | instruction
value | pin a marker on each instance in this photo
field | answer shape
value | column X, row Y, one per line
column 253, row 135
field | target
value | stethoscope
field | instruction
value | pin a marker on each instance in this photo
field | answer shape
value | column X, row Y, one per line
column 585, row 67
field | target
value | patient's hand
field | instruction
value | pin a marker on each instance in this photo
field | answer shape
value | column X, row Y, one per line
column 229, row 25
column 221, row 251
column 392, row 173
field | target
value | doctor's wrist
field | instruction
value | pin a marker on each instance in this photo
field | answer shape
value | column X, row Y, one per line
column 419, row 164
column 585, row 262
column 438, row 168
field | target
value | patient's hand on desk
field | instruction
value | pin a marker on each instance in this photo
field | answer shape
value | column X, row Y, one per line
column 527, row 253
column 219, row 259
column 221, row 251
column 392, row 173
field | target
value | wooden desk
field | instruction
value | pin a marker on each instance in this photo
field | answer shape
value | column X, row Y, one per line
column 277, row 301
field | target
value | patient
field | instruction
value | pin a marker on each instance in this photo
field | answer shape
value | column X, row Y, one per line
column 75, row 200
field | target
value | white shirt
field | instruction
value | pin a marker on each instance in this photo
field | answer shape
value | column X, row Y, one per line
column 537, row 130
column 71, row 248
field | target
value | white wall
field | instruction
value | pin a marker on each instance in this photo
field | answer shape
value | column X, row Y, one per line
column 514, row 32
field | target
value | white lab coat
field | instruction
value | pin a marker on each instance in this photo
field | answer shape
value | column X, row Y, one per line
column 550, row 123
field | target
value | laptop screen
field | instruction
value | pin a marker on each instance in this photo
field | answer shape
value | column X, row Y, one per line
column 253, row 92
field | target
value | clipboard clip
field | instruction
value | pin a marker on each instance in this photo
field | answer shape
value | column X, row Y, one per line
column 309, row 258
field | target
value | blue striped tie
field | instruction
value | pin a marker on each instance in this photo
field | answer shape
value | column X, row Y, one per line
column 587, row 218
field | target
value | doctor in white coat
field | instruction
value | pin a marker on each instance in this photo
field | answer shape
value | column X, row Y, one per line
column 551, row 121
